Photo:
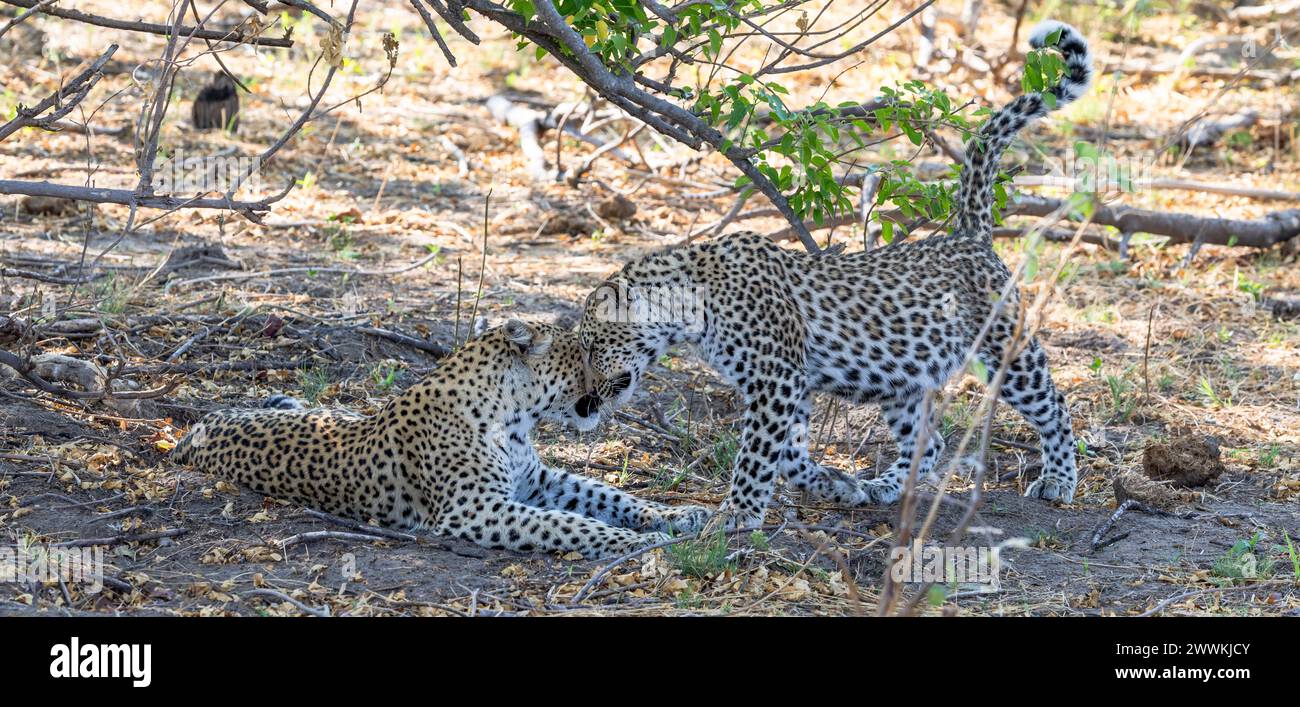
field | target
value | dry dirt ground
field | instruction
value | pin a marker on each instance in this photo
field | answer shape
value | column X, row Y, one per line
column 1145, row 349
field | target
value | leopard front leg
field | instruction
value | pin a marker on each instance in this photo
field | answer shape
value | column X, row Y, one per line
column 553, row 488
column 500, row 523
column 773, row 397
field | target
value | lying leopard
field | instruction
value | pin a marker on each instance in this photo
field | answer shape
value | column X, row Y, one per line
column 451, row 454
column 885, row 326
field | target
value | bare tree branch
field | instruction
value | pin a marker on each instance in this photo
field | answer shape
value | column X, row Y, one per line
column 234, row 34
column 20, row 17
column 130, row 197
column 550, row 32
column 62, row 100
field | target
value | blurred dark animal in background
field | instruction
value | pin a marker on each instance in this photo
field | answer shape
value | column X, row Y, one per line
column 217, row 105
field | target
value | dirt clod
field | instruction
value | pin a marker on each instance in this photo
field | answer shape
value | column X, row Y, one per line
column 1188, row 460
column 616, row 207
column 572, row 224
column 50, row 206
column 1162, row 495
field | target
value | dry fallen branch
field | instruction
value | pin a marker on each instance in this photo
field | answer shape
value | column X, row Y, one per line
column 274, row 364
column 124, row 539
column 322, row 612
column 361, row 527
column 1110, row 522
column 397, row 337
column 1264, row 12
column 96, row 383
column 42, row 277
column 328, row 535
column 531, row 123
column 1206, row 132
column 1263, row 232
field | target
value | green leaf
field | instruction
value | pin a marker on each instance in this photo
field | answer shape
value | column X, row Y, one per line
column 669, row 37
column 912, row 133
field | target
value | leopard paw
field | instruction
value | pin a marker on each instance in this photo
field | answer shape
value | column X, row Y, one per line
column 883, row 491
column 686, row 520
column 728, row 519
column 1052, row 489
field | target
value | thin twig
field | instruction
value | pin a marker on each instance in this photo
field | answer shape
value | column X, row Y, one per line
column 328, row 535
column 323, row 612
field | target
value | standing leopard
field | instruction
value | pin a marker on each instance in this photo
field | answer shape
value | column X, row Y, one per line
column 885, row 326
column 451, row 454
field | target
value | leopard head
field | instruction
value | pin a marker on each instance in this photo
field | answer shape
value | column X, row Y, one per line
column 553, row 361
column 621, row 335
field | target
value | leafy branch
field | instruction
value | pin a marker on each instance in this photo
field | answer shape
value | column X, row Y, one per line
column 633, row 53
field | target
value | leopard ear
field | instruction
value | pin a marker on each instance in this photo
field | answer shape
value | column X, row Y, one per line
column 479, row 327
column 566, row 322
column 606, row 302
column 530, row 340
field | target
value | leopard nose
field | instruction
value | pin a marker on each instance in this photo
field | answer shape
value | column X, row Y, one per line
column 587, row 405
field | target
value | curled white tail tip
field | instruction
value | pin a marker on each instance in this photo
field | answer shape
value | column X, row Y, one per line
column 1038, row 37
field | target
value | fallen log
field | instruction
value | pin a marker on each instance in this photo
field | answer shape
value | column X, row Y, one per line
column 1263, row 232
column 1206, row 132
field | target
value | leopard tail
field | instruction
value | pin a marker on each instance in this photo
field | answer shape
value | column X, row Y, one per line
column 974, row 217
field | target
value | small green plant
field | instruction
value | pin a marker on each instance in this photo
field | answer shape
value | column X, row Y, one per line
column 702, row 558
column 384, row 376
column 9, row 104
column 1211, row 396
column 723, row 455
column 936, row 595
column 1295, row 560
column 760, row 541
column 669, row 481
column 436, row 250
column 1240, row 139
column 1165, row 382
column 1122, row 401
column 1268, row 459
column 341, row 242
column 960, row 415
column 113, row 296
column 1243, row 562
column 1095, row 366
column 1256, row 289
column 313, row 382
column 1047, row 540
column 688, row 598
